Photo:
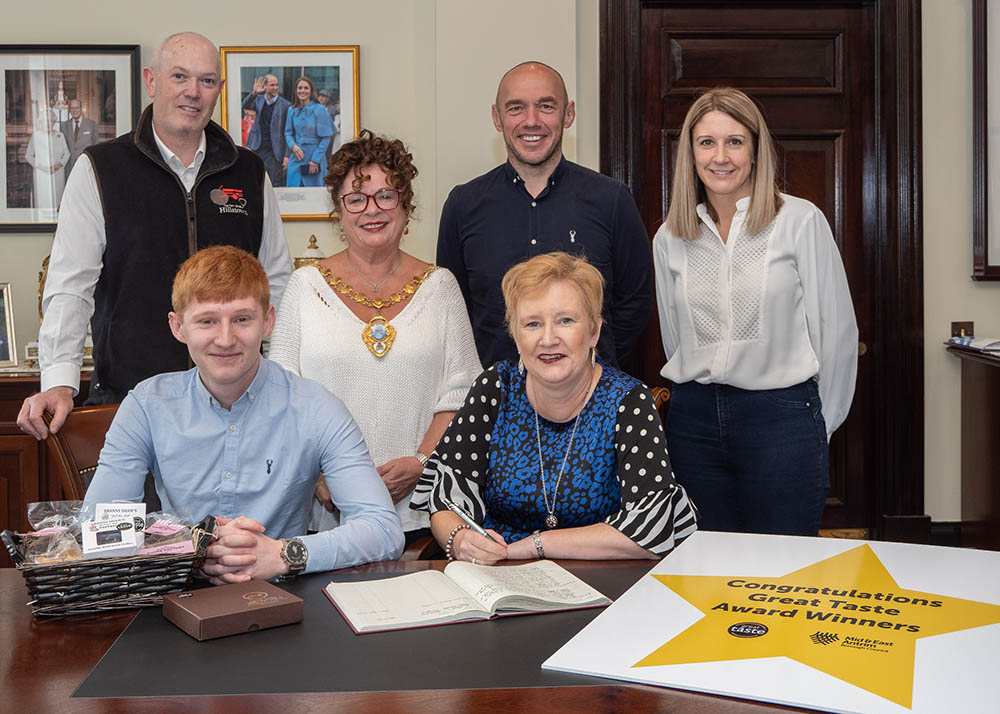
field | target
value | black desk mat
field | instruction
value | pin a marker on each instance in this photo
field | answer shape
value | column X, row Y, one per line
column 153, row 658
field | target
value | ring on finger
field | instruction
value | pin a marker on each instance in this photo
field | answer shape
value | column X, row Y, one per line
column 473, row 561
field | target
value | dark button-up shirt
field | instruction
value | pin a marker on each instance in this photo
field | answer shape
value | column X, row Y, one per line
column 493, row 223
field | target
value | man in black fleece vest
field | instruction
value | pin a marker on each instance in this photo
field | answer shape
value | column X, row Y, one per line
column 134, row 209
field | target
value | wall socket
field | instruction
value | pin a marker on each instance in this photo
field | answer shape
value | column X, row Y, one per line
column 962, row 329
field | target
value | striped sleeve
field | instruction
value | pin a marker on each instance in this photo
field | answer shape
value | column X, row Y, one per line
column 457, row 469
column 656, row 512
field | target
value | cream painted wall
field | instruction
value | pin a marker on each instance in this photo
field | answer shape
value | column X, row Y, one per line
column 949, row 293
column 429, row 70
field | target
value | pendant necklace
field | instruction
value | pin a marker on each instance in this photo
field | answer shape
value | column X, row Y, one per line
column 374, row 285
column 378, row 333
column 550, row 520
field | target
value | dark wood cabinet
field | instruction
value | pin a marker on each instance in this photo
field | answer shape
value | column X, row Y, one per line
column 980, row 449
column 24, row 476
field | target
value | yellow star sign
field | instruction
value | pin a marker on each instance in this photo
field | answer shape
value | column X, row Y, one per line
column 844, row 616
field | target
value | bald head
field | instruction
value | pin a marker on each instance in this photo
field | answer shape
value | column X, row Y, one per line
column 526, row 69
column 532, row 109
column 180, row 44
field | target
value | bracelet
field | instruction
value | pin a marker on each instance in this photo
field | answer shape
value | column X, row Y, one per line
column 538, row 544
column 451, row 540
column 422, row 458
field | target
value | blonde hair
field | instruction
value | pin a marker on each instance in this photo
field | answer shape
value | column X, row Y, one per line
column 220, row 273
column 542, row 271
column 688, row 190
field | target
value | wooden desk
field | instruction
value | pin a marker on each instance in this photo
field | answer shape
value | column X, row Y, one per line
column 980, row 449
column 24, row 476
column 43, row 661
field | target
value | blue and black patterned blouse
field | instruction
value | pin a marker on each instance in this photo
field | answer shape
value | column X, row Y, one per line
column 617, row 471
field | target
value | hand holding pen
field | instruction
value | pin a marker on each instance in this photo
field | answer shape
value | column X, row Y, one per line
column 481, row 547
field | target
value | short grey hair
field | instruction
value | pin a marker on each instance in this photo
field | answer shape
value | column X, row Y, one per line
column 157, row 63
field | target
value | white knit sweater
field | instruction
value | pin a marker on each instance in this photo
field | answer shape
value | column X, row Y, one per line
column 428, row 369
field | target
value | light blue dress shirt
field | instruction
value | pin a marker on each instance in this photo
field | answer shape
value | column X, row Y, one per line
column 261, row 460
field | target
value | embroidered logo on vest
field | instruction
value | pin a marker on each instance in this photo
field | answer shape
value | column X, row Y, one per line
column 229, row 200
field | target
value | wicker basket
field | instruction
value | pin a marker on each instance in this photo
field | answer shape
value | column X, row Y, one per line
column 88, row 586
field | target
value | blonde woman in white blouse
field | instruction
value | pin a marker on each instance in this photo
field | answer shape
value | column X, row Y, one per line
column 757, row 325
column 384, row 331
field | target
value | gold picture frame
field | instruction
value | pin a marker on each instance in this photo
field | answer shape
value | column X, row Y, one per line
column 334, row 70
column 8, row 345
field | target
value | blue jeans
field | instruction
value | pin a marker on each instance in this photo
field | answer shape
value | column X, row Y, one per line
column 753, row 461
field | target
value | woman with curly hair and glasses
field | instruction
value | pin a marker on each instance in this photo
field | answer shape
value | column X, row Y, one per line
column 384, row 331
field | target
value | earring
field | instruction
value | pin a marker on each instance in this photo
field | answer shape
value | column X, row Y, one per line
column 406, row 229
column 593, row 356
column 343, row 237
column 520, row 365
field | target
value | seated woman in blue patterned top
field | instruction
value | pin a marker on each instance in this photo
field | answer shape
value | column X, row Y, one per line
column 561, row 455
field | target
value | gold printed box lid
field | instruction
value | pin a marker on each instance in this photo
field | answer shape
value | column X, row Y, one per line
column 232, row 609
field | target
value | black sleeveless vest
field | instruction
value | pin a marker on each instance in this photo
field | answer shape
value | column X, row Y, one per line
column 153, row 225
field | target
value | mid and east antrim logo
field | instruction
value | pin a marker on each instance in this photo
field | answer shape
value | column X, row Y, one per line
column 824, row 638
column 229, row 200
column 747, row 629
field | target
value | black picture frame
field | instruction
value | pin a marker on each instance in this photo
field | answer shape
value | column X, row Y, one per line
column 39, row 83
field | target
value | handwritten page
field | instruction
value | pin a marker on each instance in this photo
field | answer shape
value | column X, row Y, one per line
column 427, row 597
column 537, row 584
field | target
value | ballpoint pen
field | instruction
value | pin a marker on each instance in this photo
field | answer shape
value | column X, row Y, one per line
column 467, row 518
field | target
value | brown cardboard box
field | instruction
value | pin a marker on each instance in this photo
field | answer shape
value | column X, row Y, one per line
column 231, row 609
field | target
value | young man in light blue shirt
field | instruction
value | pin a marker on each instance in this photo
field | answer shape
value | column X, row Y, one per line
column 244, row 440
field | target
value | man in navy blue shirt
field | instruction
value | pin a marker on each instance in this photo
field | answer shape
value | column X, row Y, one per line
column 538, row 202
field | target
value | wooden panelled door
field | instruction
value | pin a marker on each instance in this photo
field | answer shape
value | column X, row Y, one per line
column 813, row 69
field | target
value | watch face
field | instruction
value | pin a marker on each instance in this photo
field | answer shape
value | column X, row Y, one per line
column 295, row 553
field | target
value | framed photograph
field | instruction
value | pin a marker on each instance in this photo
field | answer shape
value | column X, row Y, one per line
column 58, row 100
column 293, row 106
column 985, row 142
column 8, row 347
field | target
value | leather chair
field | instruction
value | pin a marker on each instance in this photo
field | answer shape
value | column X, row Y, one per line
column 73, row 451
column 424, row 548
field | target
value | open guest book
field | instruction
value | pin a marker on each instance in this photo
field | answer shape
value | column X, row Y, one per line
column 462, row 593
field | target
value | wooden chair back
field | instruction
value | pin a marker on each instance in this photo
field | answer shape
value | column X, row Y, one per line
column 74, row 450
column 424, row 548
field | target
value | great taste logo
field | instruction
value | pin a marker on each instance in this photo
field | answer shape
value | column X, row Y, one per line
column 229, row 200
column 747, row 629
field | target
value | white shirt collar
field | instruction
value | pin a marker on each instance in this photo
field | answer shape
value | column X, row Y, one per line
column 174, row 161
column 741, row 206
